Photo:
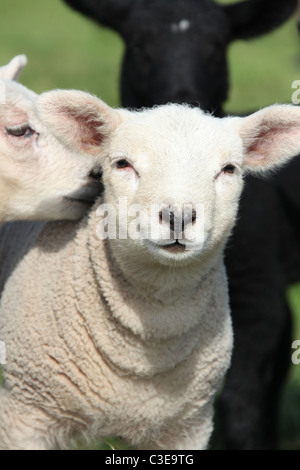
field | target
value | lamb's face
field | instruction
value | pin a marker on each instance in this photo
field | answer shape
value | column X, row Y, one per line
column 40, row 177
column 173, row 176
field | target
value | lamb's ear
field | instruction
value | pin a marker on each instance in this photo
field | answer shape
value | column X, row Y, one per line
column 80, row 120
column 13, row 70
column 252, row 18
column 111, row 13
column 270, row 137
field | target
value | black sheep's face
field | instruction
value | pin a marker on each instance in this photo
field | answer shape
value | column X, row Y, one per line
column 176, row 57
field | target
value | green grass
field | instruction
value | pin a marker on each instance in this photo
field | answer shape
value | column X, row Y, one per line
column 66, row 50
column 263, row 69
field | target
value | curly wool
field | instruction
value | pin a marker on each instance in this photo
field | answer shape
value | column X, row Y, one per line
column 84, row 369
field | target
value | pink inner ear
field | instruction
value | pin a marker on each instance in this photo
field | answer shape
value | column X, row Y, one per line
column 269, row 135
column 90, row 130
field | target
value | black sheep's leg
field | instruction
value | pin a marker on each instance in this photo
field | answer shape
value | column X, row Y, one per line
column 249, row 405
column 261, row 320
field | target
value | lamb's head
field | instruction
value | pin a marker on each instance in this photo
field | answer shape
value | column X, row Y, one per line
column 164, row 169
column 40, row 177
column 173, row 175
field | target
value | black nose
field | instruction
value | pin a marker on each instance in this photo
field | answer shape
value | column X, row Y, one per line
column 177, row 223
column 96, row 173
column 166, row 215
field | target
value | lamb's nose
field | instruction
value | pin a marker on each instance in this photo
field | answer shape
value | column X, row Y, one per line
column 96, row 173
column 167, row 216
column 177, row 222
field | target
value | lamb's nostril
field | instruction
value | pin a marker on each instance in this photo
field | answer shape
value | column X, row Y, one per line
column 177, row 223
column 190, row 216
column 96, row 173
column 194, row 216
column 168, row 216
column 165, row 215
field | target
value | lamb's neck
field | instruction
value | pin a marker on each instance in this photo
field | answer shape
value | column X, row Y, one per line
column 132, row 329
column 168, row 285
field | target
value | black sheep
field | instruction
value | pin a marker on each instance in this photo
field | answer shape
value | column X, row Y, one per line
column 176, row 52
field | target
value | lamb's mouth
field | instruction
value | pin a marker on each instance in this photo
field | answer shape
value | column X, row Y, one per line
column 86, row 195
column 175, row 247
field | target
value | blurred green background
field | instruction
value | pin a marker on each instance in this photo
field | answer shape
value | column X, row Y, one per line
column 65, row 50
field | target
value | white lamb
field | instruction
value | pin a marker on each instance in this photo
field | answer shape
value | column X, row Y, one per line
column 130, row 336
column 39, row 178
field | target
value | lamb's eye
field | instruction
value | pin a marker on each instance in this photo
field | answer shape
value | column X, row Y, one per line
column 123, row 164
column 229, row 169
column 20, row 131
